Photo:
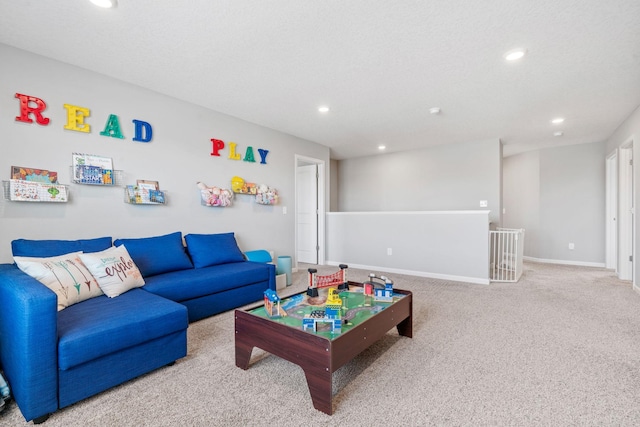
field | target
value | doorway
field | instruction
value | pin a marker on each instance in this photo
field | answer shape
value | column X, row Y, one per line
column 310, row 210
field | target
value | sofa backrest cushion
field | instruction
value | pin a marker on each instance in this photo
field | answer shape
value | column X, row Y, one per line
column 65, row 275
column 213, row 249
column 157, row 255
column 51, row 248
column 114, row 270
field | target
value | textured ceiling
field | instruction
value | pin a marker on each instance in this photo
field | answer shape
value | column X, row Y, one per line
column 379, row 64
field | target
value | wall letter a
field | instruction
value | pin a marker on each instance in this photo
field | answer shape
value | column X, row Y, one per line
column 112, row 127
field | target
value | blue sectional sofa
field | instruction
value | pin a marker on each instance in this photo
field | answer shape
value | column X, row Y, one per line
column 54, row 357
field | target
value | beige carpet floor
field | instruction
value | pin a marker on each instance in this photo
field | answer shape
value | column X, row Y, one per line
column 559, row 348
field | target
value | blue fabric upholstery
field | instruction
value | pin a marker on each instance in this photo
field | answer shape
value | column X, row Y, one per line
column 107, row 325
column 30, row 347
column 213, row 249
column 53, row 359
column 157, row 255
column 101, row 374
column 188, row 284
column 28, row 341
column 200, row 308
column 50, row 248
column 259, row 255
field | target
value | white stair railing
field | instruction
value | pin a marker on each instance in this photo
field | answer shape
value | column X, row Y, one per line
column 507, row 248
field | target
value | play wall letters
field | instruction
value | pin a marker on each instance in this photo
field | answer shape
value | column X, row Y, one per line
column 249, row 156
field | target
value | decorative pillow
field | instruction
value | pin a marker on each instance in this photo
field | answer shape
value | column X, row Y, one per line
column 114, row 270
column 213, row 249
column 157, row 255
column 51, row 248
column 65, row 275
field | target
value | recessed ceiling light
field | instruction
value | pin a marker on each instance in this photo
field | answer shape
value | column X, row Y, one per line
column 515, row 54
column 559, row 133
column 434, row 110
column 382, row 147
column 104, row 3
column 557, row 120
column 323, row 109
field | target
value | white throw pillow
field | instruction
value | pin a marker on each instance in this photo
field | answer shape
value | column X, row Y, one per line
column 65, row 275
column 114, row 270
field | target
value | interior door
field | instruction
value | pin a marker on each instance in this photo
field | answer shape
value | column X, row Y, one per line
column 307, row 213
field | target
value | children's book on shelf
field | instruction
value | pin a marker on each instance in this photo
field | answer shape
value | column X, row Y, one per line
column 90, row 169
column 29, row 191
column 156, row 196
column 34, row 175
column 145, row 192
column 145, row 187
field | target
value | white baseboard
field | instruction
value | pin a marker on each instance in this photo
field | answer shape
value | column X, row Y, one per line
column 475, row 280
column 564, row 262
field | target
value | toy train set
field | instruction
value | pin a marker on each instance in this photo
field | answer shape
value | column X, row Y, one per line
column 340, row 306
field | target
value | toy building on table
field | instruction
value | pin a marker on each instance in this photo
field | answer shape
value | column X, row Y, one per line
column 272, row 304
column 381, row 287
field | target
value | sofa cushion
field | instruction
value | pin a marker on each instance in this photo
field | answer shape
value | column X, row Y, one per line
column 102, row 325
column 65, row 275
column 50, row 248
column 259, row 255
column 213, row 249
column 157, row 255
column 185, row 285
column 114, row 270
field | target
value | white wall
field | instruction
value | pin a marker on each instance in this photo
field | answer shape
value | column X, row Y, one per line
column 178, row 156
column 444, row 177
column 629, row 130
column 521, row 201
column 558, row 196
column 333, row 172
column 452, row 245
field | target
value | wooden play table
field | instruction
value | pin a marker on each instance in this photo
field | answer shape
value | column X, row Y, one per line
column 320, row 353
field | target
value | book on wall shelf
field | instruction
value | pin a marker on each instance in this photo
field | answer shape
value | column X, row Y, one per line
column 144, row 193
column 34, row 185
column 93, row 170
column 19, row 190
column 34, row 175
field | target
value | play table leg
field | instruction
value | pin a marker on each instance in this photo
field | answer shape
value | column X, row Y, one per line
column 243, row 355
column 405, row 328
column 319, row 382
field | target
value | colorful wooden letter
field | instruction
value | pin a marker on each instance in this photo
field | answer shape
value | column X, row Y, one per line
column 26, row 109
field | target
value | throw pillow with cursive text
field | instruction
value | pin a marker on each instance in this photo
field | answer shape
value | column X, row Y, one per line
column 114, row 270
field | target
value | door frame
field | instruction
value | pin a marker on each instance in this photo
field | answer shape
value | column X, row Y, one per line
column 611, row 257
column 321, row 196
column 626, row 217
